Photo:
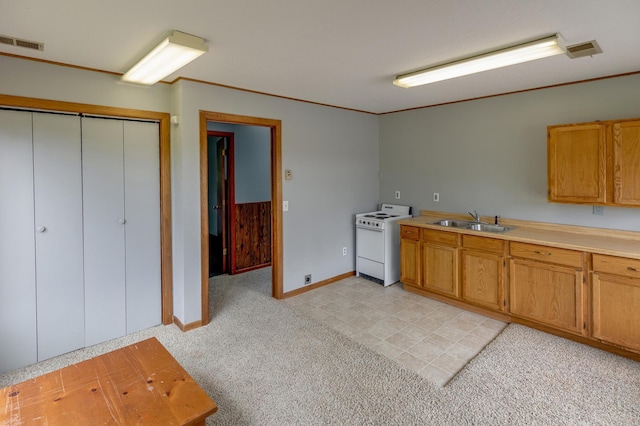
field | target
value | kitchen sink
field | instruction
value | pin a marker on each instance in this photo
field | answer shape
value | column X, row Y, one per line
column 474, row 226
column 454, row 223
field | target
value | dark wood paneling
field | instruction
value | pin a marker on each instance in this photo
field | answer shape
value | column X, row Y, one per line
column 253, row 235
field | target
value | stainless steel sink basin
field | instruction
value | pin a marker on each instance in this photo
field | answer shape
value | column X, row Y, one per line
column 453, row 223
column 474, row 226
column 487, row 227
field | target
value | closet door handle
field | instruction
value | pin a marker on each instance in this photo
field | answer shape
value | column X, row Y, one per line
column 122, row 221
column 41, row 229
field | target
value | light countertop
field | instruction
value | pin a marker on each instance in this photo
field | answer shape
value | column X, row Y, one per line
column 594, row 240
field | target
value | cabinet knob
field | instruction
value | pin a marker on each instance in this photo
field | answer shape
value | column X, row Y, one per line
column 41, row 228
column 122, row 221
column 631, row 268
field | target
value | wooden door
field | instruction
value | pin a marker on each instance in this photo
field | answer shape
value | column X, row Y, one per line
column 440, row 269
column 616, row 317
column 18, row 338
column 546, row 293
column 626, row 163
column 142, row 228
column 483, row 279
column 410, row 261
column 104, row 229
column 59, row 246
column 576, row 163
column 221, row 202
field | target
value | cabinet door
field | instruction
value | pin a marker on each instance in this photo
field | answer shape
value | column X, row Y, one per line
column 626, row 163
column 58, row 221
column 410, row 262
column 483, row 279
column 142, row 230
column 104, row 224
column 548, row 294
column 616, row 317
column 576, row 163
column 18, row 344
column 440, row 269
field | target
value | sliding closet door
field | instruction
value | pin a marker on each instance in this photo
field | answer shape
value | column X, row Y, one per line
column 58, row 222
column 104, row 229
column 18, row 344
column 142, row 231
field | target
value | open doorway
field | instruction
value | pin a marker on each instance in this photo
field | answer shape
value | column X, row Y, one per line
column 275, row 189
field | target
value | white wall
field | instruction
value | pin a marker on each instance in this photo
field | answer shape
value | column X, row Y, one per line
column 490, row 154
column 333, row 156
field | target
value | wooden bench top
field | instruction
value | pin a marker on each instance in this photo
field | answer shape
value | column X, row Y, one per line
column 138, row 384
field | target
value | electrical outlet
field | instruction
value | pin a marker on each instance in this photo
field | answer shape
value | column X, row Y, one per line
column 397, row 195
column 307, row 279
column 285, row 206
column 598, row 210
column 344, row 251
column 436, row 197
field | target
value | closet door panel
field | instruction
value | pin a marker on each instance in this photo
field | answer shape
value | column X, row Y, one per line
column 104, row 229
column 142, row 209
column 58, row 222
column 18, row 344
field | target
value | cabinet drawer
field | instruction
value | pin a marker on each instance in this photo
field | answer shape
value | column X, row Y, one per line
column 547, row 254
column 448, row 238
column 616, row 265
column 482, row 243
column 409, row 232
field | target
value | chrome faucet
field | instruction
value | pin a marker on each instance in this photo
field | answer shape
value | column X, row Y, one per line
column 475, row 216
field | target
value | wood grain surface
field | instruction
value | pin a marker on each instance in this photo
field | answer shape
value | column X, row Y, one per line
column 138, row 384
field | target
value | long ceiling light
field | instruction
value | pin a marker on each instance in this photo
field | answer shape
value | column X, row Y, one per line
column 542, row 48
column 172, row 53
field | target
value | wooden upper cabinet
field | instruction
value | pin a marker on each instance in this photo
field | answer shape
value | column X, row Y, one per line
column 626, row 163
column 576, row 163
column 594, row 163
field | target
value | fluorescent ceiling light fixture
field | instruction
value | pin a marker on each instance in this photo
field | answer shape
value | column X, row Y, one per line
column 171, row 54
column 542, row 48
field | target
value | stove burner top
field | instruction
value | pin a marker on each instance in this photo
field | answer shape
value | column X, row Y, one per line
column 380, row 215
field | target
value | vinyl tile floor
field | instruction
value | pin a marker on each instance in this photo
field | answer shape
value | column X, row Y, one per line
column 434, row 339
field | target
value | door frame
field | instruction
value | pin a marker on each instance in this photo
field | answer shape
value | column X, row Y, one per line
column 276, row 200
column 163, row 118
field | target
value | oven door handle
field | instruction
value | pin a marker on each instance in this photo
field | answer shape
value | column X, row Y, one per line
column 368, row 228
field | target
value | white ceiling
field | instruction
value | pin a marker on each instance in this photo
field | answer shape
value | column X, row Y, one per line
column 337, row 52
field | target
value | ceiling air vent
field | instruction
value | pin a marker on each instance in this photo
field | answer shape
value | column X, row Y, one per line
column 12, row 41
column 581, row 50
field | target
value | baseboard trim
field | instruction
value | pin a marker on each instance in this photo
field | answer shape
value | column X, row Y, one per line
column 187, row 327
column 317, row 285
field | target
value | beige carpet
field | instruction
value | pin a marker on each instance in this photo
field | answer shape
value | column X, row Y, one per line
column 266, row 364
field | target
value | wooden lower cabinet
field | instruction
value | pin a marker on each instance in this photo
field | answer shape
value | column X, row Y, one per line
column 543, row 287
column 483, row 279
column 439, row 260
column 548, row 294
column 410, row 262
column 615, row 301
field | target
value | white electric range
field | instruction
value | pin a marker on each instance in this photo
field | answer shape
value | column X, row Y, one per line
column 378, row 243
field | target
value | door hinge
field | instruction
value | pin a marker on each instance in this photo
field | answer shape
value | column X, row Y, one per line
column 224, row 251
column 584, row 325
